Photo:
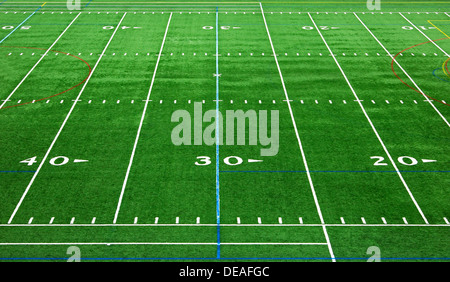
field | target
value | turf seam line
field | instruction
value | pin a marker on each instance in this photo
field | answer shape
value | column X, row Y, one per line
column 371, row 124
column 140, row 125
column 404, row 71
column 330, row 249
column 37, row 63
column 62, row 126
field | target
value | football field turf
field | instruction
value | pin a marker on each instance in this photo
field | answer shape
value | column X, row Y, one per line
column 87, row 105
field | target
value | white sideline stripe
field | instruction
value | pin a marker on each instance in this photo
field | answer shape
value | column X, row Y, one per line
column 434, row 43
column 404, row 71
column 63, row 124
column 140, row 125
column 371, row 124
column 225, row 224
column 149, row 243
column 37, row 63
column 298, row 139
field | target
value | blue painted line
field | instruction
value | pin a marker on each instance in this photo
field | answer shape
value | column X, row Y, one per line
column 217, row 135
column 17, row 171
column 332, row 171
column 434, row 73
column 88, row 3
column 2, row 2
column 20, row 24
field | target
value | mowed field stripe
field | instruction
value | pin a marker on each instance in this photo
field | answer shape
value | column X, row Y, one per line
column 63, row 124
column 299, row 140
column 37, row 63
column 140, row 124
column 370, row 122
column 404, row 71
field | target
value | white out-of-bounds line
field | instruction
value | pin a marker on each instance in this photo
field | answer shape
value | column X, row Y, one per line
column 370, row 122
column 37, row 63
column 403, row 70
column 150, row 243
column 140, row 124
column 63, row 124
column 299, row 140
column 435, row 44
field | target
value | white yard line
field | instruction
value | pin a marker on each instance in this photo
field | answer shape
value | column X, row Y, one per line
column 371, row 124
column 37, row 63
column 298, row 139
column 404, row 71
column 435, row 44
column 140, row 125
column 62, row 126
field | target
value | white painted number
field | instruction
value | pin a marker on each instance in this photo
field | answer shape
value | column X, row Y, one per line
column 411, row 162
column 204, row 160
column 404, row 160
column 55, row 161
column 379, row 160
column 237, row 161
column 231, row 160
column 30, row 161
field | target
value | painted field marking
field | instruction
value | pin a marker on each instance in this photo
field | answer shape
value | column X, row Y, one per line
column 140, row 124
column 259, row 220
column 384, row 220
column 156, row 225
column 156, row 220
column 62, row 126
column 446, row 220
column 404, row 71
column 429, row 21
column 135, row 220
column 72, row 221
column 434, row 43
column 51, row 220
column 298, row 139
column 1, row 41
column 40, row 59
column 157, row 243
column 198, row 220
column 404, row 220
column 30, row 220
column 93, row 220
column 370, row 122
column 342, row 220
column 363, row 220
column 238, row 220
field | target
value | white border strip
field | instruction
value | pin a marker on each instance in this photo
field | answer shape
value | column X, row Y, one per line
column 140, row 125
column 371, row 124
column 299, row 141
column 63, row 124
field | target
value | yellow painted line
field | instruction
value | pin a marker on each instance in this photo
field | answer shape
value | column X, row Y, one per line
column 43, row 4
column 443, row 67
column 438, row 29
